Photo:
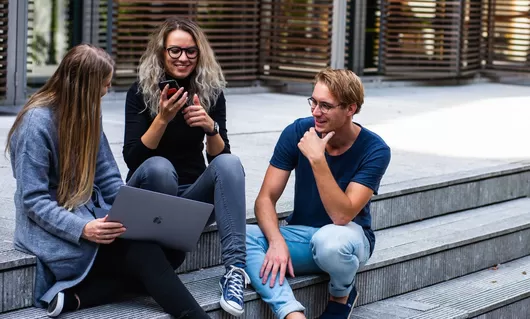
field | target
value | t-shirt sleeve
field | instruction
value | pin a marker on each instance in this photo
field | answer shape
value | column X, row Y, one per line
column 285, row 156
column 373, row 168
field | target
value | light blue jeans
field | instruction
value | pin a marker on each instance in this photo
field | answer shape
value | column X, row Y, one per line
column 336, row 250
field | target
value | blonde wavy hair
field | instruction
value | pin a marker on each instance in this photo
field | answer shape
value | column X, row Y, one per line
column 207, row 79
column 74, row 94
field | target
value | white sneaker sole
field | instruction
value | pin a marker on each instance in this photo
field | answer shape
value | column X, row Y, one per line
column 228, row 308
column 353, row 304
column 59, row 306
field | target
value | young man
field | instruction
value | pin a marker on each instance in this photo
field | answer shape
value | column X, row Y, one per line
column 338, row 166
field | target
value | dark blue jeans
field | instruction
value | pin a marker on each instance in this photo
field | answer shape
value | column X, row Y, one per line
column 222, row 184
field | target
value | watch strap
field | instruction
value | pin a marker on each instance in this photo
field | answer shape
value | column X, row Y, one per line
column 215, row 130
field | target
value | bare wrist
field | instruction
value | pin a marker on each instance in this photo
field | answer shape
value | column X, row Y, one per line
column 315, row 161
column 160, row 120
column 276, row 240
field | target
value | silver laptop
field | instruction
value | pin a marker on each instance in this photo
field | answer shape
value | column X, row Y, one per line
column 172, row 221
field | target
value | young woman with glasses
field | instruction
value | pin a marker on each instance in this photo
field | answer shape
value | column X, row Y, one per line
column 174, row 106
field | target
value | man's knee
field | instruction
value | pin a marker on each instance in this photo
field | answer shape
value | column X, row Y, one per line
column 331, row 243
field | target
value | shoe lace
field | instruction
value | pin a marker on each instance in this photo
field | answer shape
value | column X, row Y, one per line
column 236, row 279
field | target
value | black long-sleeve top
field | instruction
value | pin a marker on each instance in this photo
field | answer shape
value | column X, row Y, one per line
column 181, row 144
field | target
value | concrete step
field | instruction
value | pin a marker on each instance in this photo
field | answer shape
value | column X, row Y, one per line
column 498, row 292
column 407, row 258
column 407, row 202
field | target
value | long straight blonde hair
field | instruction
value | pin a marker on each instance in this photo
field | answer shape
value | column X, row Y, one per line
column 74, row 95
column 207, row 79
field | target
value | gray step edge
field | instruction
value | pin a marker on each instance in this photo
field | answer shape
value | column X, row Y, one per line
column 437, row 181
column 465, row 297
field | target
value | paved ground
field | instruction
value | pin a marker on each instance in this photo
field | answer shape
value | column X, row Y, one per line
column 431, row 130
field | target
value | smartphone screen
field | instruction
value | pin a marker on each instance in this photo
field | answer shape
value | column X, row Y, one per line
column 173, row 87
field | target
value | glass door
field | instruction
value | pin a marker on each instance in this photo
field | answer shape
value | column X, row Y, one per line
column 54, row 26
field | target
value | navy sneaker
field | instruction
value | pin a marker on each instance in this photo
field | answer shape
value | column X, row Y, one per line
column 232, row 285
column 56, row 306
column 335, row 310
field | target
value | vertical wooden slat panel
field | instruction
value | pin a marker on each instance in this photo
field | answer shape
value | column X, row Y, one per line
column 470, row 37
column 421, row 38
column 31, row 51
column 103, row 29
column 295, row 38
column 509, row 35
column 4, row 9
column 232, row 28
column 233, row 31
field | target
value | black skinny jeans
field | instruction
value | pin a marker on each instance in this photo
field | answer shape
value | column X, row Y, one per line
column 138, row 266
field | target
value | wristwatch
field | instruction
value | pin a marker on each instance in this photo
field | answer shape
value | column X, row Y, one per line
column 215, row 130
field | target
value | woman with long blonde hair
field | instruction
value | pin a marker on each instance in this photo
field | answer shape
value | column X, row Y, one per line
column 175, row 105
column 67, row 180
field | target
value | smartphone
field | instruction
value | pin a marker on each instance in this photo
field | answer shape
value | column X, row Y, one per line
column 173, row 87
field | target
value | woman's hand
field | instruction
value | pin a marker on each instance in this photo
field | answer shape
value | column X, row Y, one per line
column 168, row 108
column 195, row 115
column 101, row 231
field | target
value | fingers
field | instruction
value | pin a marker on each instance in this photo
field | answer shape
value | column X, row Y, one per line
column 108, row 225
column 196, row 100
column 291, row 268
column 175, row 96
column 283, row 268
column 263, row 266
column 274, row 273
column 193, row 111
column 197, row 121
column 110, row 235
column 163, row 94
column 328, row 136
column 180, row 103
column 262, row 269
column 109, row 231
column 195, row 115
column 267, row 272
column 105, row 236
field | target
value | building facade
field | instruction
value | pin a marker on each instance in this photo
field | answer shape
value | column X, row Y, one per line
column 271, row 41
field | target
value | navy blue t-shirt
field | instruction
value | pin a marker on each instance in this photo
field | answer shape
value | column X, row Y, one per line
column 364, row 162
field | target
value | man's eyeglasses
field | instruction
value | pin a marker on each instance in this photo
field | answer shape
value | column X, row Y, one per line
column 324, row 107
column 175, row 52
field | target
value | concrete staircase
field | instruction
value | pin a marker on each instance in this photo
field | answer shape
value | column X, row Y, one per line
column 437, row 240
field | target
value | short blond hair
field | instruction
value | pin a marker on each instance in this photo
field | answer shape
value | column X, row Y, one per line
column 344, row 85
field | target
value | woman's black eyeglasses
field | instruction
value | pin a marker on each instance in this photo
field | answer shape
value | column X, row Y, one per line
column 175, row 52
